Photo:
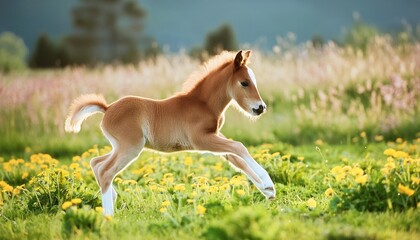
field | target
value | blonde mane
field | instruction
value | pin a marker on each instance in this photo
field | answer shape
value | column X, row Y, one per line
column 207, row 68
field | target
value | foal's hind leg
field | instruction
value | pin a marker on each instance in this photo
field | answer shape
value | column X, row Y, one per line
column 95, row 164
column 123, row 155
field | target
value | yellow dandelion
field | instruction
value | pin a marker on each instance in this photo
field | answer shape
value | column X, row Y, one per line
column 363, row 134
column 76, row 158
column 340, row 177
column 400, row 154
column 108, row 218
column 76, row 201
column 300, row 158
column 188, row 161
column 389, row 152
column 311, row 203
column 329, row 192
column 179, row 188
column 66, row 205
column 287, row 156
column 405, row 190
column 74, row 166
column 356, row 171
column 166, row 203
column 218, row 167
column 415, row 180
column 25, row 175
column 361, row 179
column 163, row 210
column 201, row 210
column 379, row 138
column 130, row 182
column 7, row 188
column 240, row 192
column 99, row 209
column 319, row 142
column 399, row 140
column 347, row 168
column 336, row 170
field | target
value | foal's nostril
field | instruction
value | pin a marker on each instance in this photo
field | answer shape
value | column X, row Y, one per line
column 259, row 110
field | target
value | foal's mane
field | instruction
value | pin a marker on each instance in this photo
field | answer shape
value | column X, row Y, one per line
column 208, row 68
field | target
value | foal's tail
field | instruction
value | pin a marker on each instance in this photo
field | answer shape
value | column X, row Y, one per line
column 82, row 108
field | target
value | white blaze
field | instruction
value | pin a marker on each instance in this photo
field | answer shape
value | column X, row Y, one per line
column 252, row 76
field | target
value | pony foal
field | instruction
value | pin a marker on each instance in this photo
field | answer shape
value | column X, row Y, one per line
column 190, row 120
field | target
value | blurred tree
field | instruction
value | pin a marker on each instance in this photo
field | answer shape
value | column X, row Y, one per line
column 47, row 54
column 12, row 52
column 223, row 38
column 317, row 41
column 106, row 31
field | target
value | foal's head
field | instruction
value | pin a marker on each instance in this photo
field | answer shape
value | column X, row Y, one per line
column 243, row 86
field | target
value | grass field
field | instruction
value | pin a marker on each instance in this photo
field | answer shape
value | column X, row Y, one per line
column 341, row 140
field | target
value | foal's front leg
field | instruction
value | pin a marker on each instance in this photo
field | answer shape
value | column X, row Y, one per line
column 241, row 158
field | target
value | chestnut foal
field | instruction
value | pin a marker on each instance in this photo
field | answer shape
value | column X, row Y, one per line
column 190, row 120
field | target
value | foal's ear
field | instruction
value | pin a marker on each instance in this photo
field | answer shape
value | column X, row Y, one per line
column 247, row 56
column 241, row 59
column 238, row 60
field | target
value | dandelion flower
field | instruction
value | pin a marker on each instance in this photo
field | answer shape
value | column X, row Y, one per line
column 340, row 177
column 405, row 190
column 166, row 203
column 300, row 158
column 179, row 188
column 66, row 205
column 74, row 166
column 400, row 154
column 356, row 171
column 363, row 134
column 379, row 138
column 201, row 210
column 311, row 203
column 389, row 152
column 361, row 179
column 188, row 161
column 99, row 209
column 76, row 200
column 163, row 210
column 108, row 218
column 329, row 192
column 25, row 175
column 415, row 180
column 240, row 192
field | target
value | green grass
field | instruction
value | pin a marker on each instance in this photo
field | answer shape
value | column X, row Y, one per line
column 228, row 215
column 331, row 115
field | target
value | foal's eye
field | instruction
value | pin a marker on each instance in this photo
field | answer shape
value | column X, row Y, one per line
column 245, row 84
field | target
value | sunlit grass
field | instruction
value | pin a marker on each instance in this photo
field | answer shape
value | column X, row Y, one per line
column 330, row 93
column 188, row 195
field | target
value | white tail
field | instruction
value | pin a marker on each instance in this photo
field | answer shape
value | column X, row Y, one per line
column 82, row 108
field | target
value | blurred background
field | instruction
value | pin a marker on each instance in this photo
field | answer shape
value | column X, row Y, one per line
column 330, row 70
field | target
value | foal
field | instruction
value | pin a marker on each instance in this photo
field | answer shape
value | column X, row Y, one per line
column 190, row 120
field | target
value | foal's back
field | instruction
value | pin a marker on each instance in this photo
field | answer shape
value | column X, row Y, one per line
column 166, row 125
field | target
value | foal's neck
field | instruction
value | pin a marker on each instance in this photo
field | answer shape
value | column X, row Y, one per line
column 213, row 90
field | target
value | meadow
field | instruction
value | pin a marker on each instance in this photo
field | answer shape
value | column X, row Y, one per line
column 341, row 140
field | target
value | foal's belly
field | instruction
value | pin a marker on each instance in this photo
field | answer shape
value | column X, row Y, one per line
column 172, row 146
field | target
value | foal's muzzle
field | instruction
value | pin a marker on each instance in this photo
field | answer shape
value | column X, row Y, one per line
column 260, row 109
